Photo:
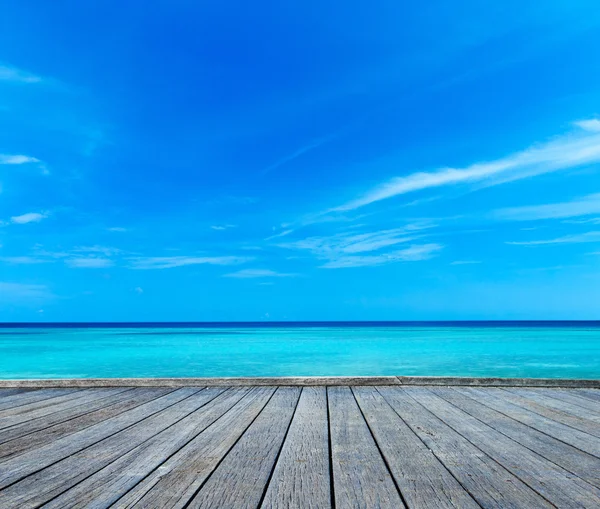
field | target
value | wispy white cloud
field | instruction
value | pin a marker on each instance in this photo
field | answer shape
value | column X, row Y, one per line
column 591, row 124
column 102, row 250
column 169, row 262
column 23, row 260
column 17, row 159
column 14, row 75
column 257, row 273
column 30, row 217
column 567, row 151
column 567, row 239
column 117, row 229
column 411, row 254
column 89, row 263
column 299, row 152
column 583, row 206
column 11, row 293
column 466, row 262
column 220, row 227
column 345, row 243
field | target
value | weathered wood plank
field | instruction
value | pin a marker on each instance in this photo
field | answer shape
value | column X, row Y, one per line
column 58, row 405
column 497, row 399
column 554, row 410
column 42, row 486
column 29, row 435
column 361, row 478
column 175, row 482
column 18, row 467
column 10, row 392
column 574, row 402
column 301, row 478
column 17, row 400
column 490, row 484
column 570, row 458
column 108, row 485
column 593, row 394
column 423, row 480
column 241, row 478
column 554, row 483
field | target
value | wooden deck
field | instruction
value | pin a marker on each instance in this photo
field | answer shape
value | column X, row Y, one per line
column 300, row 447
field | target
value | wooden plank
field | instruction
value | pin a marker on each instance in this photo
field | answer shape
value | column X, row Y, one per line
column 18, row 467
column 40, row 487
column 577, row 462
column 553, row 410
column 423, row 480
column 551, row 481
column 361, row 478
column 497, row 399
column 593, row 394
column 490, row 484
column 241, row 478
column 17, row 400
column 175, row 482
column 26, row 413
column 301, row 478
column 108, row 485
column 10, row 392
column 28, row 436
column 574, row 401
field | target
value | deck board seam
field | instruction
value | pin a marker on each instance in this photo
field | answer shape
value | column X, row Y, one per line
column 517, row 441
column 555, row 398
column 69, row 390
column 264, row 493
column 330, row 451
column 191, row 498
column 385, row 461
column 482, row 451
column 531, row 427
column 441, row 461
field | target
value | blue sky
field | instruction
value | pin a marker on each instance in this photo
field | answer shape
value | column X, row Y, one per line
column 185, row 160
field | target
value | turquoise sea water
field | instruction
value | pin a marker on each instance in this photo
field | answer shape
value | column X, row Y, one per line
column 426, row 350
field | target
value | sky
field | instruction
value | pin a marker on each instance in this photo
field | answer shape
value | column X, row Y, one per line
column 175, row 160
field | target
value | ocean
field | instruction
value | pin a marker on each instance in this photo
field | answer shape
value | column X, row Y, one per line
column 479, row 349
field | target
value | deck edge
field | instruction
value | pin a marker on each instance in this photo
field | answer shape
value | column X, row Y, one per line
column 301, row 381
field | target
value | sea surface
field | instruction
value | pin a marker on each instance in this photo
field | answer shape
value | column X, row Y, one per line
column 481, row 349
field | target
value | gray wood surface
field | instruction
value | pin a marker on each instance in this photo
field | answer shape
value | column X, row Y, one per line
column 180, row 477
column 338, row 446
column 490, row 484
column 43, row 485
column 568, row 414
column 496, row 399
column 574, row 460
column 18, row 400
column 241, row 478
column 33, row 435
column 110, row 483
column 548, row 479
column 360, row 475
column 10, row 392
column 301, row 479
column 422, row 478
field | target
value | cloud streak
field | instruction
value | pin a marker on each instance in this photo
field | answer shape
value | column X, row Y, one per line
column 583, row 206
column 89, row 263
column 17, row 159
column 257, row 273
column 413, row 253
column 30, row 217
column 14, row 75
column 593, row 236
column 169, row 262
column 567, row 151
